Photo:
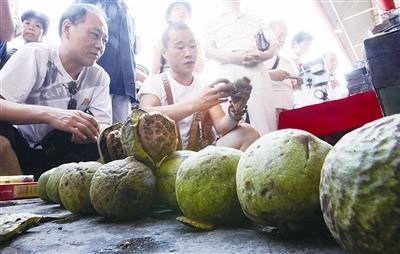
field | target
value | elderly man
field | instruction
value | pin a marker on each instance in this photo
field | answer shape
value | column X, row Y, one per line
column 180, row 94
column 44, row 88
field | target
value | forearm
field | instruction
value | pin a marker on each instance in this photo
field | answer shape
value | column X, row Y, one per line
column 140, row 76
column 225, row 125
column 156, row 62
column 15, row 113
column 7, row 27
column 176, row 112
column 274, row 76
column 219, row 55
column 270, row 52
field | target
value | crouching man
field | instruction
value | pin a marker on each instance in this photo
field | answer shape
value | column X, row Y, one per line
column 179, row 94
column 57, row 97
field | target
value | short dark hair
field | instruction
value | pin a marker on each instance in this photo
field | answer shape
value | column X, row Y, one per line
column 301, row 36
column 172, row 27
column 42, row 18
column 76, row 13
column 173, row 4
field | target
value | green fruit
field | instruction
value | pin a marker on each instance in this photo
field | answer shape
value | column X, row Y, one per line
column 206, row 186
column 122, row 189
column 74, row 187
column 42, row 182
column 54, row 181
column 360, row 188
column 149, row 137
column 110, row 145
column 278, row 180
column 166, row 176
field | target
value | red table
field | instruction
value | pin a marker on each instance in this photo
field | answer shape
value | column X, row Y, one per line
column 331, row 117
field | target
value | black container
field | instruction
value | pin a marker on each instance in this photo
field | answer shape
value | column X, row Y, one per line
column 383, row 59
column 358, row 81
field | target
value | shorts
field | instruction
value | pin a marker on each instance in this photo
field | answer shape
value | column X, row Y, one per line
column 57, row 149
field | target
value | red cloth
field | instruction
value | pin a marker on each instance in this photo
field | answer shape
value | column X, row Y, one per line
column 332, row 117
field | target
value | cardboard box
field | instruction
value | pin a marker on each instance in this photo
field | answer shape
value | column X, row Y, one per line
column 11, row 191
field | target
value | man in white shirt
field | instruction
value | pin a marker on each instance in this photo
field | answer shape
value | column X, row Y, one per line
column 45, row 91
column 231, row 41
column 335, row 88
column 282, row 72
column 180, row 94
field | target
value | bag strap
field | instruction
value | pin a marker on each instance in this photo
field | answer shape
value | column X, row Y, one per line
column 277, row 59
column 194, row 132
column 170, row 101
column 199, row 121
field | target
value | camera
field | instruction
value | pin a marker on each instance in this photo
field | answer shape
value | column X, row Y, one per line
column 315, row 73
column 315, row 78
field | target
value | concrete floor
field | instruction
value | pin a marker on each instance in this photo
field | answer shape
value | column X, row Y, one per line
column 157, row 233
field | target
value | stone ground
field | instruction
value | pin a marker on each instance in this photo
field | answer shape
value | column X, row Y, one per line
column 157, row 233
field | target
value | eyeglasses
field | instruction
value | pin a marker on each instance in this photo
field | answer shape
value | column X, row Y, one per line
column 72, row 88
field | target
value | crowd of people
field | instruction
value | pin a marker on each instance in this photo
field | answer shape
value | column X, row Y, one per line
column 55, row 99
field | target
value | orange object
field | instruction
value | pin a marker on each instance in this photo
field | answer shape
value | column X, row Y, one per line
column 10, row 191
column 387, row 5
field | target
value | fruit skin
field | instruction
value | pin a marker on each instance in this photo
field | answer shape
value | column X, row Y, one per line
column 42, row 182
column 278, row 180
column 74, row 188
column 166, row 176
column 206, row 186
column 360, row 188
column 122, row 189
column 52, row 186
column 149, row 137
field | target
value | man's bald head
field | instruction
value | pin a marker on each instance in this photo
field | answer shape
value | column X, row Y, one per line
column 280, row 30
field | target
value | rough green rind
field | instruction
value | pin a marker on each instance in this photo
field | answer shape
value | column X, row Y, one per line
column 206, row 186
column 166, row 176
column 122, row 189
column 158, row 135
column 360, row 188
column 54, row 181
column 149, row 137
column 131, row 140
column 74, row 188
column 278, row 179
column 42, row 182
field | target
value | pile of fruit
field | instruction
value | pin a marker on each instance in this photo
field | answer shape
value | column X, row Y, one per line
column 287, row 179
